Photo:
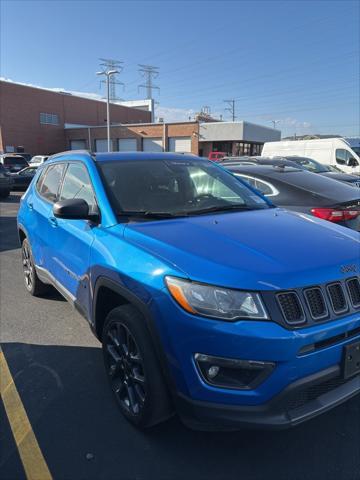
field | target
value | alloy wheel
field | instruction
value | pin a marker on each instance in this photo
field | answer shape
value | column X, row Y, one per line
column 125, row 368
column 28, row 266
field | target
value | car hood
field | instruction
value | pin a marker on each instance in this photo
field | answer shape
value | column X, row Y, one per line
column 344, row 177
column 265, row 249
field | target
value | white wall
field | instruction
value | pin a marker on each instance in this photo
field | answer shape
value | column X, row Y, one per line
column 237, row 131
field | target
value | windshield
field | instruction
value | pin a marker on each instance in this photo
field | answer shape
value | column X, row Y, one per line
column 15, row 161
column 356, row 150
column 171, row 188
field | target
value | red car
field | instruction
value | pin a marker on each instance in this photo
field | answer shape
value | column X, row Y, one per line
column 216, row 156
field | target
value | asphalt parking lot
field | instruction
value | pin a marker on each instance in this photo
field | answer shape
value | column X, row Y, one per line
column 57, row 368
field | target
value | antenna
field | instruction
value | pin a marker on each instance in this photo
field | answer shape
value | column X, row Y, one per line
column 149, row 72
column 111, row 64
column 231, row 108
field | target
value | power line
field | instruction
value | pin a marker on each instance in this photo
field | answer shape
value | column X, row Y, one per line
column 278, row 72
column 111, row 64
column 231, row 108
column 149, row 72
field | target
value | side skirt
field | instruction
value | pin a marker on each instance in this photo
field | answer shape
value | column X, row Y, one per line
column 46, row 277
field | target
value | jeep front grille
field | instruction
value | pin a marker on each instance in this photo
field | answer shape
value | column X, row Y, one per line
column 353, row 286
column 291, row 307
column 316, row 303
column 337, row 297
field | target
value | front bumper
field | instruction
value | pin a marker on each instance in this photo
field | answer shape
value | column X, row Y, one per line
column 306, row 381
column 300, row 401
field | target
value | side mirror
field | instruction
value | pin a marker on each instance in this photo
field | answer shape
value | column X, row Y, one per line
column 74, row 208
column 352, row 162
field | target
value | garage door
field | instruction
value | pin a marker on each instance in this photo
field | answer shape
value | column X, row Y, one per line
column 152, row 145
column 127, row 145
column 77, row 144
column 180, row 144
column 101, row 145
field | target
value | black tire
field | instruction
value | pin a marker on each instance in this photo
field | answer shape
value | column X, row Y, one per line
column 133, row 369
column 32, row 282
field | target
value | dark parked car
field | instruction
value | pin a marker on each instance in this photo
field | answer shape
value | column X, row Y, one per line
column 27, row 156
column 304, row 163
column 23, row 178
column 317, row 167
column 303, row 191
column 12, row 162
column 5, row 182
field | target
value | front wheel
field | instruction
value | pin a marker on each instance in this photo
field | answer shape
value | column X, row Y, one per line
column 133, row 369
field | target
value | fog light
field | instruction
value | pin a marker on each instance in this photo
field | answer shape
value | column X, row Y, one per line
column 213, row 371
column 231, row 372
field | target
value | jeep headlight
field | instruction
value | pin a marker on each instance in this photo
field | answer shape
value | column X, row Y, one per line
column 218, row 302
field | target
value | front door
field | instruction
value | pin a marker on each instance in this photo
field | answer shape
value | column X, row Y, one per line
column 73, row 238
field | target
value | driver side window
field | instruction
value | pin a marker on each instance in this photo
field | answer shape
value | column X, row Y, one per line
column 77, row 184
column 341, row 156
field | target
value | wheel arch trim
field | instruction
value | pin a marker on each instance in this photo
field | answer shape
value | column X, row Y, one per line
column 133, row 300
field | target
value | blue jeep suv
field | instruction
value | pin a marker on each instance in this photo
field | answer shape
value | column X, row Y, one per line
column 207, row 299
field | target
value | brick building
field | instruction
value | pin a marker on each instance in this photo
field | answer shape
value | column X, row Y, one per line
column 199, row 138
column 33, row 119
column 147, row 137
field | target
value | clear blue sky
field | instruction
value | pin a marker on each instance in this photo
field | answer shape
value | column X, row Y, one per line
column 297, row 62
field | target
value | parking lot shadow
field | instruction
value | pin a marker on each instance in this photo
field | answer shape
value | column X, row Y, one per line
column 8, row 234
column 82, row 435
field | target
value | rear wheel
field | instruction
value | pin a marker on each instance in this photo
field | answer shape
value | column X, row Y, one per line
column 32, row 282
column 133, row 369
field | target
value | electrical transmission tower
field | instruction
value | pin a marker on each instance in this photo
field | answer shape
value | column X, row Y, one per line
column 274, row 122
column 206, row 110
column 149, row 72
column 111, row 64
column 231, row 108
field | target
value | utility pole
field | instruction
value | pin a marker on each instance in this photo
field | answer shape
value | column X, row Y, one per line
column 231, row 108
column 149, row 72
column 108, row 74
column 111, row 64
column 274, row 122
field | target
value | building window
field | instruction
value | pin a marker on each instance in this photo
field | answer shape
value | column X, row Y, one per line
column 49, row 118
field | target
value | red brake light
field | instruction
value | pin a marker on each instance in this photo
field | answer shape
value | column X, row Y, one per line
column 334, row 215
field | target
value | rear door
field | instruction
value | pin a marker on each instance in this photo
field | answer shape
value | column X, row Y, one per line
column 72, row 239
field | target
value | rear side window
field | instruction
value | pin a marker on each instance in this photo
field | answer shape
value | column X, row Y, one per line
column 49, row 182
column 77, row 184
column 264, row 187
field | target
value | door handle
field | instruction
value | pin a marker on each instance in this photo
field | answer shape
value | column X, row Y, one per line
column 31, row 206
column 53, row 222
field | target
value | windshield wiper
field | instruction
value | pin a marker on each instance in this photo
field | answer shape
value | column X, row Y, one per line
column 149, row 214
column 224, row 208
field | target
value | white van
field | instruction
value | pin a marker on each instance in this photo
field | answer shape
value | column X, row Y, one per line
column 341, row 152
column 38, row 160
